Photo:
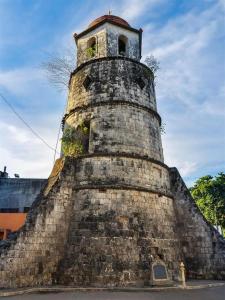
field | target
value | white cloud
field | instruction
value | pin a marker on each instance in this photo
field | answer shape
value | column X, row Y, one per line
column 31, row 167
column 23, row 153
column 190, row 88
column 20, row 81
column 133, row 9
column 186, row 168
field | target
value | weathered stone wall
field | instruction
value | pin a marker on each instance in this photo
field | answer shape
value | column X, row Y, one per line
column 82, row 44
column 84, row 232
column 112, row 79
column 95, row 235
column 119, row 170
column 115, row 235
column 121, row 128
column 122, row 112
column 31, row 257
column 202, row 246
column 133, row 42
column 17, row 194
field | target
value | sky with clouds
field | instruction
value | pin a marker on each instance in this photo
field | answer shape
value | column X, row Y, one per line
column 186, row 36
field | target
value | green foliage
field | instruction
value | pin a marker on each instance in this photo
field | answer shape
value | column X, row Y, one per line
column 74, row 140
column 84, row 128
column 91, row 51
column 209, row 195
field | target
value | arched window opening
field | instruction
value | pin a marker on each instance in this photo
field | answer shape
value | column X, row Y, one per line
column 91, row 48
column 122, row 45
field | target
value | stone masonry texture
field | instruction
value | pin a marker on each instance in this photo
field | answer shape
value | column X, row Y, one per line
column 104, row 217
column 106, row 37
column 202, row 247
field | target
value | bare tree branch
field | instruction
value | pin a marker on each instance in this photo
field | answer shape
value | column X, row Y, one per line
column 152, row 63
column 59, row 67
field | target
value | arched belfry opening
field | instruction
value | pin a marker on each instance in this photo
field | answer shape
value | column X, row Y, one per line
column 92, row 47
column 122, row 45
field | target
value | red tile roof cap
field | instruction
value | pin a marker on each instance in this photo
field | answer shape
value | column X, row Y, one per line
column 112, row 18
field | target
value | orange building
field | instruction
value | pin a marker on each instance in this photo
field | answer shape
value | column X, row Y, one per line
column 10, row 222
column 16, row 197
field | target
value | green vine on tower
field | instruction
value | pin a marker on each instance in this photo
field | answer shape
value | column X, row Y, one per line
column 91, row 51
column 74, row 140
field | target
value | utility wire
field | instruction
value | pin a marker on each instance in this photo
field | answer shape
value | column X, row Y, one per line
column 26, row 124
column 56, row 145
column 59, row 130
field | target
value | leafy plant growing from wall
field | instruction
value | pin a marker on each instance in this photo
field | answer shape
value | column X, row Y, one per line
column 91, row 51
column 75, row 140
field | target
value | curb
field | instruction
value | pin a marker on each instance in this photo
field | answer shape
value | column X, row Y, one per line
column 61, row 289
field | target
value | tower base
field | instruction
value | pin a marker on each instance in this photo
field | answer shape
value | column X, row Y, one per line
column 109, row 235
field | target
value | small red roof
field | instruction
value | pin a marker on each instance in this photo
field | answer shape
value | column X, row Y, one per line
column 111, row 18
column 101, row 20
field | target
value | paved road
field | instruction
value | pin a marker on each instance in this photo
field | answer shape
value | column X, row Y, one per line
column 217, row 293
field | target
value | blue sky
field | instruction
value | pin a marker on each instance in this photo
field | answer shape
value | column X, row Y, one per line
column 186, row 36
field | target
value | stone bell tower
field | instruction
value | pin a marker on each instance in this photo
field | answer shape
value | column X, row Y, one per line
column 123, row 214
column 114, row 91
column 114, row 214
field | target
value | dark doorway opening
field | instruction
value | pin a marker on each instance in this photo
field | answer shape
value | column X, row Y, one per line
column 122, row 45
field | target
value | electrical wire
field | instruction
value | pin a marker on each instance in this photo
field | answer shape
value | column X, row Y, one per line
column 56, row 145
column 57, row 141
column 27, row 125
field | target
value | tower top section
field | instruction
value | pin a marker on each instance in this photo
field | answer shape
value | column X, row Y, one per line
column 108, row 36
column 109, row 18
